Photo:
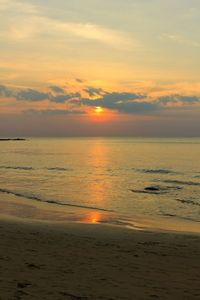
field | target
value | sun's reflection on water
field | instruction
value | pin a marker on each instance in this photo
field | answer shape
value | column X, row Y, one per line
column 98, row 163
column 93, row 217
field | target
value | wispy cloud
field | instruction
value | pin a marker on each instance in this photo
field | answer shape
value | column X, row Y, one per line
column 178, row 100
column 94, row 92
column 18, row 6
column 27, row 28
column 52, row 112
column 33, row 95
column 26, row 21
column 178, row 39
column 57, row 89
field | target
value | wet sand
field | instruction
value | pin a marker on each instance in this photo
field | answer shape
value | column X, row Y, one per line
column 84, row 261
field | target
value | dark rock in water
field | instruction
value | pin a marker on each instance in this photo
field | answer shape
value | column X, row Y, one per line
column 168, row 215
column 157, row 190
column 152, row 188
column 149, row 191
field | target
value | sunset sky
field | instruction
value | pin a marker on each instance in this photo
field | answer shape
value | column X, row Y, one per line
column 99, row 67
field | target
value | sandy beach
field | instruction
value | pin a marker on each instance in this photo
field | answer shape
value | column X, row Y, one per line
column 84, row 261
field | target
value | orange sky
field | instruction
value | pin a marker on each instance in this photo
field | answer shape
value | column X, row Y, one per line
column 62, row 60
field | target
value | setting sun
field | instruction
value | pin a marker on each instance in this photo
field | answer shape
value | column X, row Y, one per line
column 99, row 109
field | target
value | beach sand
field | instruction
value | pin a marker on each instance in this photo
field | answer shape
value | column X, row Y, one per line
column 85, row 261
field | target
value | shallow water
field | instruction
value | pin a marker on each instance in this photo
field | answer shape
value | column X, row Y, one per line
column 130, row 177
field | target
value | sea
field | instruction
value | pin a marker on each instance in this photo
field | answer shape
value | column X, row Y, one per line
column 131, row 182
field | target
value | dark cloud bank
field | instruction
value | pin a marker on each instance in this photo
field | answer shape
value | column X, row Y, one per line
column 123, row 102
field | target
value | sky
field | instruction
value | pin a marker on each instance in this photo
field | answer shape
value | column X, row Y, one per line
column 100, row 68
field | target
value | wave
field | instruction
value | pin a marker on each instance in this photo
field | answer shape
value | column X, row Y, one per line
column 31, row 168
column 17, row 168
column 36, row 198
column 181, row 182
column 58, row 169
column 156, row 171
column 179, row 217
column 117, row 222
column 188, row 201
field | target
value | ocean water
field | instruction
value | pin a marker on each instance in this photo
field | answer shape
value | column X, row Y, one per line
column 116, row 180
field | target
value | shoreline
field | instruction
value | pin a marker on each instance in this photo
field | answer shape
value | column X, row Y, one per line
column 91, row 261
column 18, row 208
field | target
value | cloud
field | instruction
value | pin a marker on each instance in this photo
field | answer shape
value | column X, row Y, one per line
column 57, row 89
column 35, row 95
column 178, row 39
column 27, row 28
column 178, row 99
column 31, row 95
column 112, row 99
column 123, row 102
column 136, row 107
column 51, row 112
column 18, row 6
column 4, row 91
column 123, row 96
column 94, row 91
column 79, row 80
column 189, row 99
column 64, row 97
column 91, row 31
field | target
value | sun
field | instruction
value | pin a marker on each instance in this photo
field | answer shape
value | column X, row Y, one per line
column 100, row 114
column 99, row 110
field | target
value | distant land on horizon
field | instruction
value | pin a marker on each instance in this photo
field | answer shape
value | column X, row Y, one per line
column 11, row 139
column 99, row 136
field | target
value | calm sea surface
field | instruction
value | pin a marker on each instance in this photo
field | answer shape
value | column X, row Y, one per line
column 101, row 179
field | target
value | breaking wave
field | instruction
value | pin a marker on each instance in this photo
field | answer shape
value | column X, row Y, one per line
column 23, row 168
column 36, row 198
column 156, row 171
column 188, row 201
column 16, row 168
column 58, row 169
column 181, row 182
column 179, row 217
